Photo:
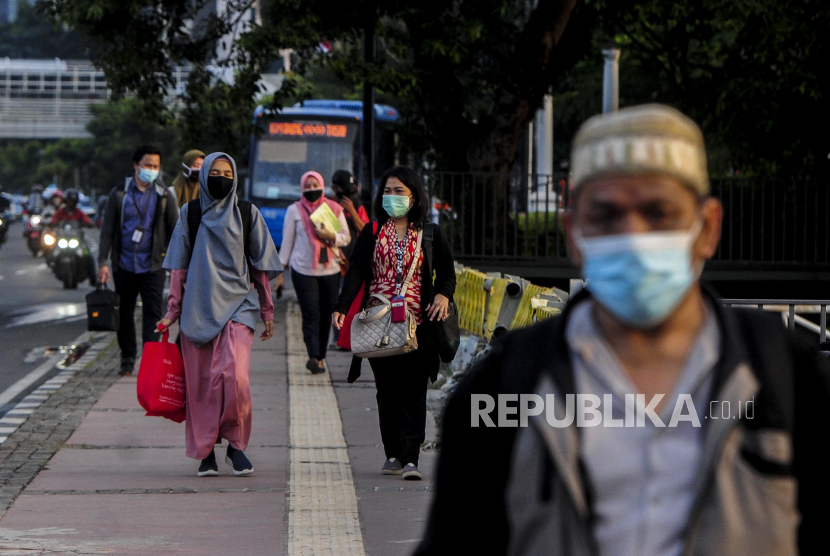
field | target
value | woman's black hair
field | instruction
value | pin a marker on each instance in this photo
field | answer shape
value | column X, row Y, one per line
column 417, row 215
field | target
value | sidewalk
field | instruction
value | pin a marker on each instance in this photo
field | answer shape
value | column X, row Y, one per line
column 121, row 483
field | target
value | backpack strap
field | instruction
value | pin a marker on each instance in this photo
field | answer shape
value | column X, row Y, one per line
column 245, row 211
column 194, row 220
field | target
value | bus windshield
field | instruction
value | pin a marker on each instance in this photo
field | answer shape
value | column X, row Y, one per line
column 288, row 149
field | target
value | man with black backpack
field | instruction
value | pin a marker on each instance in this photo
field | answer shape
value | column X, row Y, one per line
column 139, row 220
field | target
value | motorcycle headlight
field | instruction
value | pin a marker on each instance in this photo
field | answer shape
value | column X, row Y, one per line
column 63, row 244
column 1, row 221
column 73, row 243
column 35, row 220
column 49, row 239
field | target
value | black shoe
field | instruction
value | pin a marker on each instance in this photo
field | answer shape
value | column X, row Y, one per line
column 126, row 368
column 391, row 467
column 209, row 468
column 410, row 472
column 239, row 461
column 314, row 366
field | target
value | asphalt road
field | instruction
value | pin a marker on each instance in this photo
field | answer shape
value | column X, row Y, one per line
column 35, row 310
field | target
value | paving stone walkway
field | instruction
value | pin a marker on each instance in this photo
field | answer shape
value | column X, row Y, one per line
column 88, row 473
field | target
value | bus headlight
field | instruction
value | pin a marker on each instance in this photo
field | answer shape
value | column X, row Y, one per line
column 73, row 243
column 49, row 240
column 63, row 244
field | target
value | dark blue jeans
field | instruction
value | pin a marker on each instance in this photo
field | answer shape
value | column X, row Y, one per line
column 317, row 296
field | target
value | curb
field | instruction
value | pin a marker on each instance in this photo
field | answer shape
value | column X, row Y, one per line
column 38, row 426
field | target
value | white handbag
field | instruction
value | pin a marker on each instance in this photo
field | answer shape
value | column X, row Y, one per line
column 373, row 332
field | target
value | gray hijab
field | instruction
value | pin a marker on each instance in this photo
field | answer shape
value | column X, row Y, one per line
column 218, row 286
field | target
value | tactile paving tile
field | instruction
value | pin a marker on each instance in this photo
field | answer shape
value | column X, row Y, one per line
column 322, row 502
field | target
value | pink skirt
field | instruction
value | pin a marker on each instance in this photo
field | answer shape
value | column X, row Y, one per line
column 218, row 389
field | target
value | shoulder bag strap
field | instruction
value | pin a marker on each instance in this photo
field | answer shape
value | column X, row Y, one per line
column 412, row 266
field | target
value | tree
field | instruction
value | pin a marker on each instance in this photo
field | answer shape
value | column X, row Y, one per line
column 33, row 35
column 749, row 71
column 469, row 75
column 101, row 162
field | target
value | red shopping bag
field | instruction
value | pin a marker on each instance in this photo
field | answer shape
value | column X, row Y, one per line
column 161, row 380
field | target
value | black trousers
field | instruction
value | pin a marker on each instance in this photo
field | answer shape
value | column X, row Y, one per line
column 129, row 285
column 317, row 296
column 401, row 382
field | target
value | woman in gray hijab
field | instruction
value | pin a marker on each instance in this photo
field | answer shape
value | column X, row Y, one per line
column 211, row 291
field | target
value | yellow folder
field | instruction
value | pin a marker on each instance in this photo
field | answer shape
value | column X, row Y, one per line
column 324, row 215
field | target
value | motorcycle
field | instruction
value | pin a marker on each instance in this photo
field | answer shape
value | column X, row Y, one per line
column 70, row 259
column 4, row 227
column 33, row 233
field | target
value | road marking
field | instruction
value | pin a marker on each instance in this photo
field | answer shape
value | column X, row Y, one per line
column 49, row 312
column 322, row 502
column 21, row 271
column 18, row 414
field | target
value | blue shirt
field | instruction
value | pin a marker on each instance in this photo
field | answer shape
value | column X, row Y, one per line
column 139, row 211
column 643, row 477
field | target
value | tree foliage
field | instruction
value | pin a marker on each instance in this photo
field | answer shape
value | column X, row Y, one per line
column 469, row 75
column 749, row 71
column 99, row 163
column 32, row 35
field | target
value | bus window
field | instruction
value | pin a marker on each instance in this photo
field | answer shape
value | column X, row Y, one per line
column 280, row 161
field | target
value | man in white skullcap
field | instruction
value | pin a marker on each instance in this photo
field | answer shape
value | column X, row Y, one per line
column 647, row 419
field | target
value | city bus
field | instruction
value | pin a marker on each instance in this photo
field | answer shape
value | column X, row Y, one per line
column 320, row 135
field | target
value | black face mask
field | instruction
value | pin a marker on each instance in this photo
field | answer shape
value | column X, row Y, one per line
column 219, row 186
column 313, row 194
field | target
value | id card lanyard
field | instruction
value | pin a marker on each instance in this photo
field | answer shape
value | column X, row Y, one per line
column 400, row 247
column 138, row 233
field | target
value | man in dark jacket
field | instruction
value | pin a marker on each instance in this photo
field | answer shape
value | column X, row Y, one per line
column 647, row 419
column 138, row 222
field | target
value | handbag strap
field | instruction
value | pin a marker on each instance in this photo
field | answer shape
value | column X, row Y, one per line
column 412, row 265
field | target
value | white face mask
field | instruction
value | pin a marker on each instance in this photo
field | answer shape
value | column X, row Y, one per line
column 640, row 278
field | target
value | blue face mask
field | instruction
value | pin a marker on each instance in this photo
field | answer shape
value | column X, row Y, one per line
column 640, row 278
column 396, row 205
column 147, row 176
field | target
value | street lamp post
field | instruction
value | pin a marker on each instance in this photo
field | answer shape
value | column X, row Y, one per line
column 611, row 81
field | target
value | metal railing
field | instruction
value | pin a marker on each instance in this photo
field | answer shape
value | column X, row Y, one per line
column 775, row 224
column 500, row 216
column 790, row 309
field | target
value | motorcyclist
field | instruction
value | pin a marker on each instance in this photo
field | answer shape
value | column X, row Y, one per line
column 70, row 212
column 4, row 202
column 55, row 202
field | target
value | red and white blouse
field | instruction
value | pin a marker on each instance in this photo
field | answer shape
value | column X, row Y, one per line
column 384, row 267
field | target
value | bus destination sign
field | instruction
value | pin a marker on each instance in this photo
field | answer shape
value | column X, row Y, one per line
column 295, row 129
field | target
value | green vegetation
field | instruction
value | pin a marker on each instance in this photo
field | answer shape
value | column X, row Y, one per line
column 99, row 163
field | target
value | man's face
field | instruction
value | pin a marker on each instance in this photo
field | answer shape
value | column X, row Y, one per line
column 633, row 204
column 148, row 161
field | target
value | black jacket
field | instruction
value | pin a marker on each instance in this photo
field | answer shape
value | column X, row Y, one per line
column 164, row 222
column 360, row 275
column 793, row 396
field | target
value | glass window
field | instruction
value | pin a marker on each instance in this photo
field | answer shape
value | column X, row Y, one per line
column 280, row 161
